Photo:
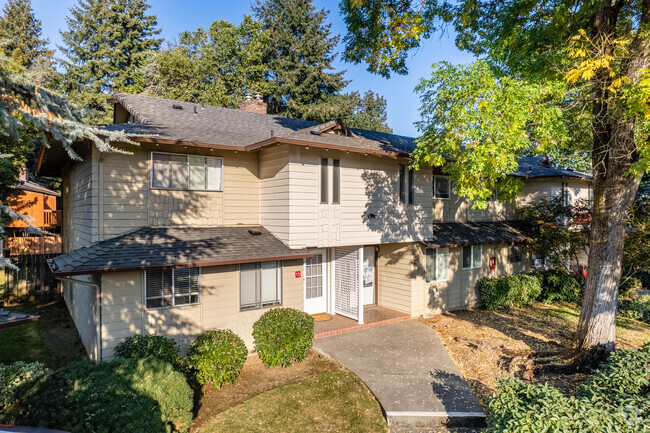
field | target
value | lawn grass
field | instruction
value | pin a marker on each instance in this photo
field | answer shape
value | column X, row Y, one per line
column 335, row 401
column 52, row 340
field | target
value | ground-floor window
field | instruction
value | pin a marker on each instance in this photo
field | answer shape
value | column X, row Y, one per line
column 172, row 287
column 260, row 285
column 516, row 253
column 437, row 264
column 472, row 256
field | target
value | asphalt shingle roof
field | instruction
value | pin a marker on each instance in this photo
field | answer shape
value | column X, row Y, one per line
column 167, row 247
column 538, row 166
column 231, row 127
column 473, row 233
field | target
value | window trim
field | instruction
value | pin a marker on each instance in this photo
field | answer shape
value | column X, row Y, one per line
column 471, row 247
column 187, row 157
column 411, row 186
column 336, row 181
column 402, row 183
column 280, row 281
column 435, row 258
column 144, row 290
column 323, row 177
column 448, row 187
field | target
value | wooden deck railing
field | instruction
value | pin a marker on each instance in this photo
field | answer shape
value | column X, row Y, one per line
column 19, row 246
column 52, row 218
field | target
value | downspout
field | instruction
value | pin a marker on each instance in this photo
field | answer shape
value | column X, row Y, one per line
column 98, row 297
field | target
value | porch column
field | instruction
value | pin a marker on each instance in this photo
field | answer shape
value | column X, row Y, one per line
column 361, row 298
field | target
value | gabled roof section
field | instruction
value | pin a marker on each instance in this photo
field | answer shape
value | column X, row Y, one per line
column 34, row 187
column 474, row 233
column 176, row 247
column 540, row 166
column 331, row 126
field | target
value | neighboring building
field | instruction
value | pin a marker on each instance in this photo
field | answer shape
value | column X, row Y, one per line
column 225, row 213
column 44, row 207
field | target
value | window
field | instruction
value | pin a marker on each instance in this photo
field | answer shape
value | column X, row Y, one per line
column 441, row 187
column 402, row 198
column 515, row 253
column 172, row 171
column 336, row 181
column 437, row 264
column 411, row 187
column 260, row 285
column 472, row 256
column 323, row 180
column 172, row 287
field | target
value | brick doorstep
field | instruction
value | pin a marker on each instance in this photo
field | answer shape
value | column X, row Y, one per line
column 358, row 327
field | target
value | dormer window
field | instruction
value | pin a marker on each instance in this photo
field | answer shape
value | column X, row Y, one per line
column 186, row 172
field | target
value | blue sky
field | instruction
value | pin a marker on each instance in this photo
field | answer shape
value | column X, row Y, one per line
column 175, row 16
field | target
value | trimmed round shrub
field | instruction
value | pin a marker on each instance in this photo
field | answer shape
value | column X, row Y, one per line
column 282, row 336
column 142, row 346
column 14, row 375
column 133, row 395
column 559, row 286
column 217, row 356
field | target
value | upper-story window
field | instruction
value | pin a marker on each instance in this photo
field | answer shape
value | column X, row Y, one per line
column 472, row 256
column 406, row 185
column 172, row 287
column 441, row 187
column 325, row 184
column 191, row 172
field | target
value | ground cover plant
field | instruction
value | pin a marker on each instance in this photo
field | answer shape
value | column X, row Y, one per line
column 14, row 375
column 132, row 395
column 217, row 356
column 615, row 399
column 283, row 336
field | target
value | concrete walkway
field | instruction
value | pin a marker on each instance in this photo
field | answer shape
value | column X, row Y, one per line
column 407, row 368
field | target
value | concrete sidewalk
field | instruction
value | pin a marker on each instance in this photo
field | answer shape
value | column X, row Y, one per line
column 407, row 368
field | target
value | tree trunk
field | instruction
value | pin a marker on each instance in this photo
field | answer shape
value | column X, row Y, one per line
column 614, row 153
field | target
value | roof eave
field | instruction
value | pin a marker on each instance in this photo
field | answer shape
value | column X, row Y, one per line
column 280, row 140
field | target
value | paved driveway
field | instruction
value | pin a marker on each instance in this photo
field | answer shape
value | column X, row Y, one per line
column 409, row 371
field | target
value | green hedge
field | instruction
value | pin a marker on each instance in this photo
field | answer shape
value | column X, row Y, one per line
column 142, row 346
column 509, row 291
column 638, row 309
column 217, row 356
column 282, row 336
column 615, row 399
column 133, row 395
column 14, row 375
column 629, row 288
column 559, row 286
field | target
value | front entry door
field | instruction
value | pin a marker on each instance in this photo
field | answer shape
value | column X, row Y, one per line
column 369, row 275
column 315, row 283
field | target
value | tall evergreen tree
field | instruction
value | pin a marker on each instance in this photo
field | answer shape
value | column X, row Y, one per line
column 21, row 34
column 106, row 45
column 299, row 56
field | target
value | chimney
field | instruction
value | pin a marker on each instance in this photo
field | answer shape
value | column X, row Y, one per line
column 253, row 106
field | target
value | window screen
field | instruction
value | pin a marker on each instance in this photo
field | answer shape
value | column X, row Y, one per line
column 411, row 187
column 440, row 187
column 336, row 181
column 171, row 171
column 260, row 285
column 172, row 287
column 323, row 181
column 467, row 257
column 477, row 259
column 402, row 198
column 437, row 264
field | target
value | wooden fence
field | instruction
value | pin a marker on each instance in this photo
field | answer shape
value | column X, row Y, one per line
column 18, row 245
column 33, row 281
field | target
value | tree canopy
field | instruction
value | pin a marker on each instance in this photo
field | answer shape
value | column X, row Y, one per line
column 105, row 47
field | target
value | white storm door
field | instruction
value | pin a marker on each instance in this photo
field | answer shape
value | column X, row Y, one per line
column 315, row 283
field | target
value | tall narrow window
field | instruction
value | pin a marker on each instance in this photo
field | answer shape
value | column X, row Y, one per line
column 437, row 264
column 402, row 178
column 411, row 187
column 336, row 181
column 323, row 180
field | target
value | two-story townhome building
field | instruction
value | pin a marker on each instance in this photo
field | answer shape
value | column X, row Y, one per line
column 219, row 214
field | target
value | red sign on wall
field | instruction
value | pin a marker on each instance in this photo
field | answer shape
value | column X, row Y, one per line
column 298, row 274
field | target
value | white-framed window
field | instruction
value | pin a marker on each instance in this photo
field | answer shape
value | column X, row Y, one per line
column 164, row 288
column 441, row 187
column 472, row 256
column 516, row 253
column 187, row 172
column 260, row 285
column 436, row 264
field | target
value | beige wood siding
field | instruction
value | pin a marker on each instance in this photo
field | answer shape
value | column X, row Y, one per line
column 369, row 185
column 128, row 202
column 79, row 193
column 124, row 312
column 81, row 301
column 274, row 190
column 395, row 275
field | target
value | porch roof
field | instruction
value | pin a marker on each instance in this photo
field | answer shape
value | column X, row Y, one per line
column 472, row 233
column 176, row 247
